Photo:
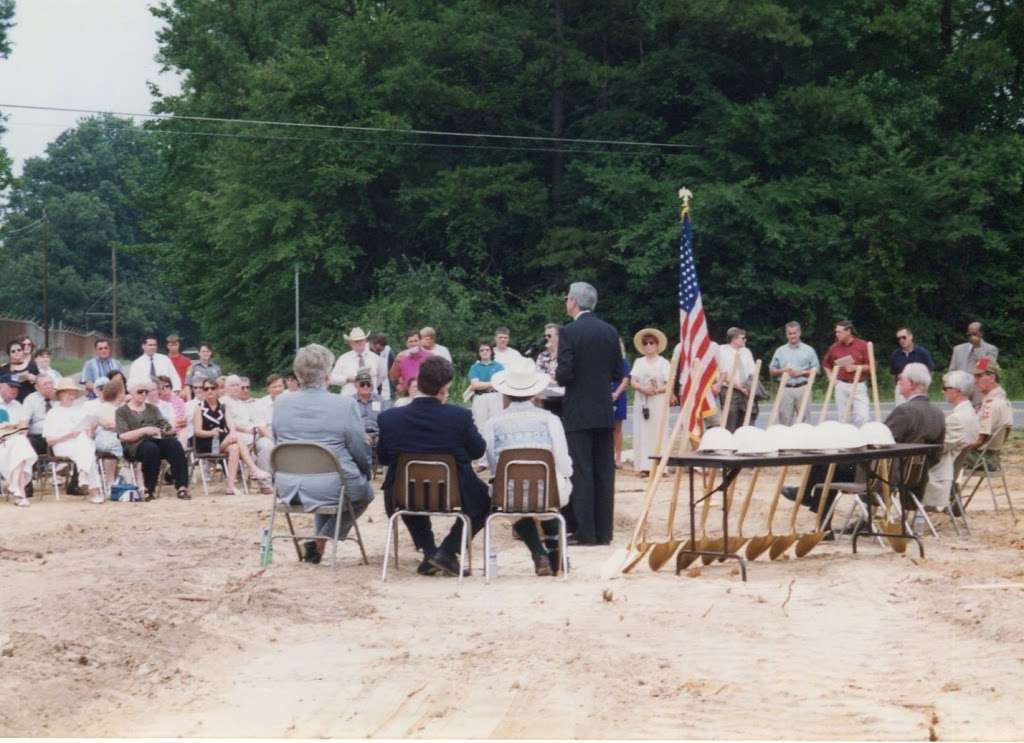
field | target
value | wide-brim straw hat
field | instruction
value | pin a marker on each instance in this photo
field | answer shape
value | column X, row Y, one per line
column 357, row 334
column 639, row 338
column 67, row 384
column 521, row 379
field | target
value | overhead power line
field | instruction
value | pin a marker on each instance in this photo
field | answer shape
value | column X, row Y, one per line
column 340, row 127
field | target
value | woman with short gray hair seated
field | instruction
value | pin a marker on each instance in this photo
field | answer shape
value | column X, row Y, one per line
column 312, row 414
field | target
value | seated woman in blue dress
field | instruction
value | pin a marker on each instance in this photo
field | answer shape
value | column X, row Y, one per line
column 314, row 414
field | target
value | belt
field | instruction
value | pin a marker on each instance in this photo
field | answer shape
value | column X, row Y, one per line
column 799, row 384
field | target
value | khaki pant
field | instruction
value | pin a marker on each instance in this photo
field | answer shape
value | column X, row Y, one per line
column 789, row 404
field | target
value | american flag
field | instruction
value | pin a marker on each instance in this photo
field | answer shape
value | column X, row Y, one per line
column 695, row 343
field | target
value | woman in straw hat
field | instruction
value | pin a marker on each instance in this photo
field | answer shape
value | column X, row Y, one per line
column 649, row 379
column 70, row 431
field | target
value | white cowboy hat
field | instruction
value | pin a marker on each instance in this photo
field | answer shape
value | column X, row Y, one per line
column 357, row 334
column 520, row 379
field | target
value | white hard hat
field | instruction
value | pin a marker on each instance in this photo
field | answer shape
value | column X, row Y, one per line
column 877, row 433
column 851, row 437
column 781, row 437
column 717, row 439
column 803, row 437
column 753, row 440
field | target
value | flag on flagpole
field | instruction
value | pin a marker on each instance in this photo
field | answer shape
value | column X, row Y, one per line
column 694, row 340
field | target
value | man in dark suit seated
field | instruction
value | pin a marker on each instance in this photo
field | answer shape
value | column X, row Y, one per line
column 589, row 361
column 427, row 425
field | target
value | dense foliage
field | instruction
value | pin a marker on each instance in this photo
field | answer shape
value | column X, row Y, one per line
column 90, row 183
column 6, row 22
column 849, row 158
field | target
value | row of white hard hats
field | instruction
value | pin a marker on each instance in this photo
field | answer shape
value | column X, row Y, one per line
column 825, row 437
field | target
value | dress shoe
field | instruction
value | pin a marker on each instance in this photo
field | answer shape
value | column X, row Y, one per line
column 183, row 494
column 542, row 564
column 555, row 559
column 447, row 564
column 312, row 553
column 425, row 568
column 575, row 541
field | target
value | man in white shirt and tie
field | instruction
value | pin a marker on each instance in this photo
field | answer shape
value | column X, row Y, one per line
column 349, row 364
column 151, row 365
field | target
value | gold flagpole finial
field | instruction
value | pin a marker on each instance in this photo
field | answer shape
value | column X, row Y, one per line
column 685, row 195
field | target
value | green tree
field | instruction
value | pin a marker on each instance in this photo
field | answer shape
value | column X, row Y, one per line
column 89, row 184
column 6, row 23
column 860, row 159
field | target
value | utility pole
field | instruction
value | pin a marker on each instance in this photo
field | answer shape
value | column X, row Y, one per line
column 296, row 307
column 46, row 279
column 113, row 290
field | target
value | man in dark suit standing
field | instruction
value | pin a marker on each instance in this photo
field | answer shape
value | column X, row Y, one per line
column 589, row 362
column 427, row 425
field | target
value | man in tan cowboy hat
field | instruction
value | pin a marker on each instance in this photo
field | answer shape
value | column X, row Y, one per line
column 523, row 425
column 349, row 364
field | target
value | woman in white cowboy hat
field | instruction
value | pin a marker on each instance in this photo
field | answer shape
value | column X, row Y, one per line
column 649, row 379
column 70, row 431
column 524, row 425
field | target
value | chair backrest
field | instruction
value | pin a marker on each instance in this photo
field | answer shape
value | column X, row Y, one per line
column 303, row 458
column 525, row 481
column 912, row 472
column 996, row 440
column 427, row 482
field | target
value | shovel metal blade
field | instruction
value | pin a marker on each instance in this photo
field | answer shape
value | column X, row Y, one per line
column 662, row 553
column 615, row 564
column 634, row 560
column 808, row 542
column 687, row 556
column 780, row 545
column 734, row 546
column 712, row 545
column 757, row 546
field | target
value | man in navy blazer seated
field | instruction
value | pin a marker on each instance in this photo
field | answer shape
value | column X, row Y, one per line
column 428, row 425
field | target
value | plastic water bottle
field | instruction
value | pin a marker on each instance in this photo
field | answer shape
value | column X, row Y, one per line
column 215, row 444
column 492, row 560
column 918, row 524
column 266, row 548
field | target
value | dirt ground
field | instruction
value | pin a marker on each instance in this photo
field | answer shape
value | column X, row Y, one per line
column 156, row 620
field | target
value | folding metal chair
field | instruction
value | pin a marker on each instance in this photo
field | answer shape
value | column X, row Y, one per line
column 220, row 459
column 52, row 463
column 912, row 474
column 427, row 485
column 311, row 458
column 526, row 486
column 980, row 466
column 860, row 489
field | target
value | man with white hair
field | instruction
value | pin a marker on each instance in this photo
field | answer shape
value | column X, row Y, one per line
column 349, row 363
column 961, row 432
column 589, row 362
column 917, row 421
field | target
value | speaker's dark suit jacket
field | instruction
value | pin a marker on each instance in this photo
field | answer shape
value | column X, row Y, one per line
column 426, row 426
column 589, row 361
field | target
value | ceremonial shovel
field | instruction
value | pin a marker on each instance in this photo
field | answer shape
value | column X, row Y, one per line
column 739, row 540
column 783, row 543
column 718, row 543
column 664, row 449
column 758, row 545
column 624, row 560
column 811, row 540
column 889, row 529
column 688, row 553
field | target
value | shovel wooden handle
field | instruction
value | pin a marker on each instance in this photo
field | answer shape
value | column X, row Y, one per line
column 849, row 403
column 874, row 382
column 757, row 470
column 667, row 407
column 832, row 374
column 807, row 396
column 652, row 485
column 724, row 415
column 752, row 393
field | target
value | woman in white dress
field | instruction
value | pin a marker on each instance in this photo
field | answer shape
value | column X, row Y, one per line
column 70, row 432
column 649, row 379
column 17, row 456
